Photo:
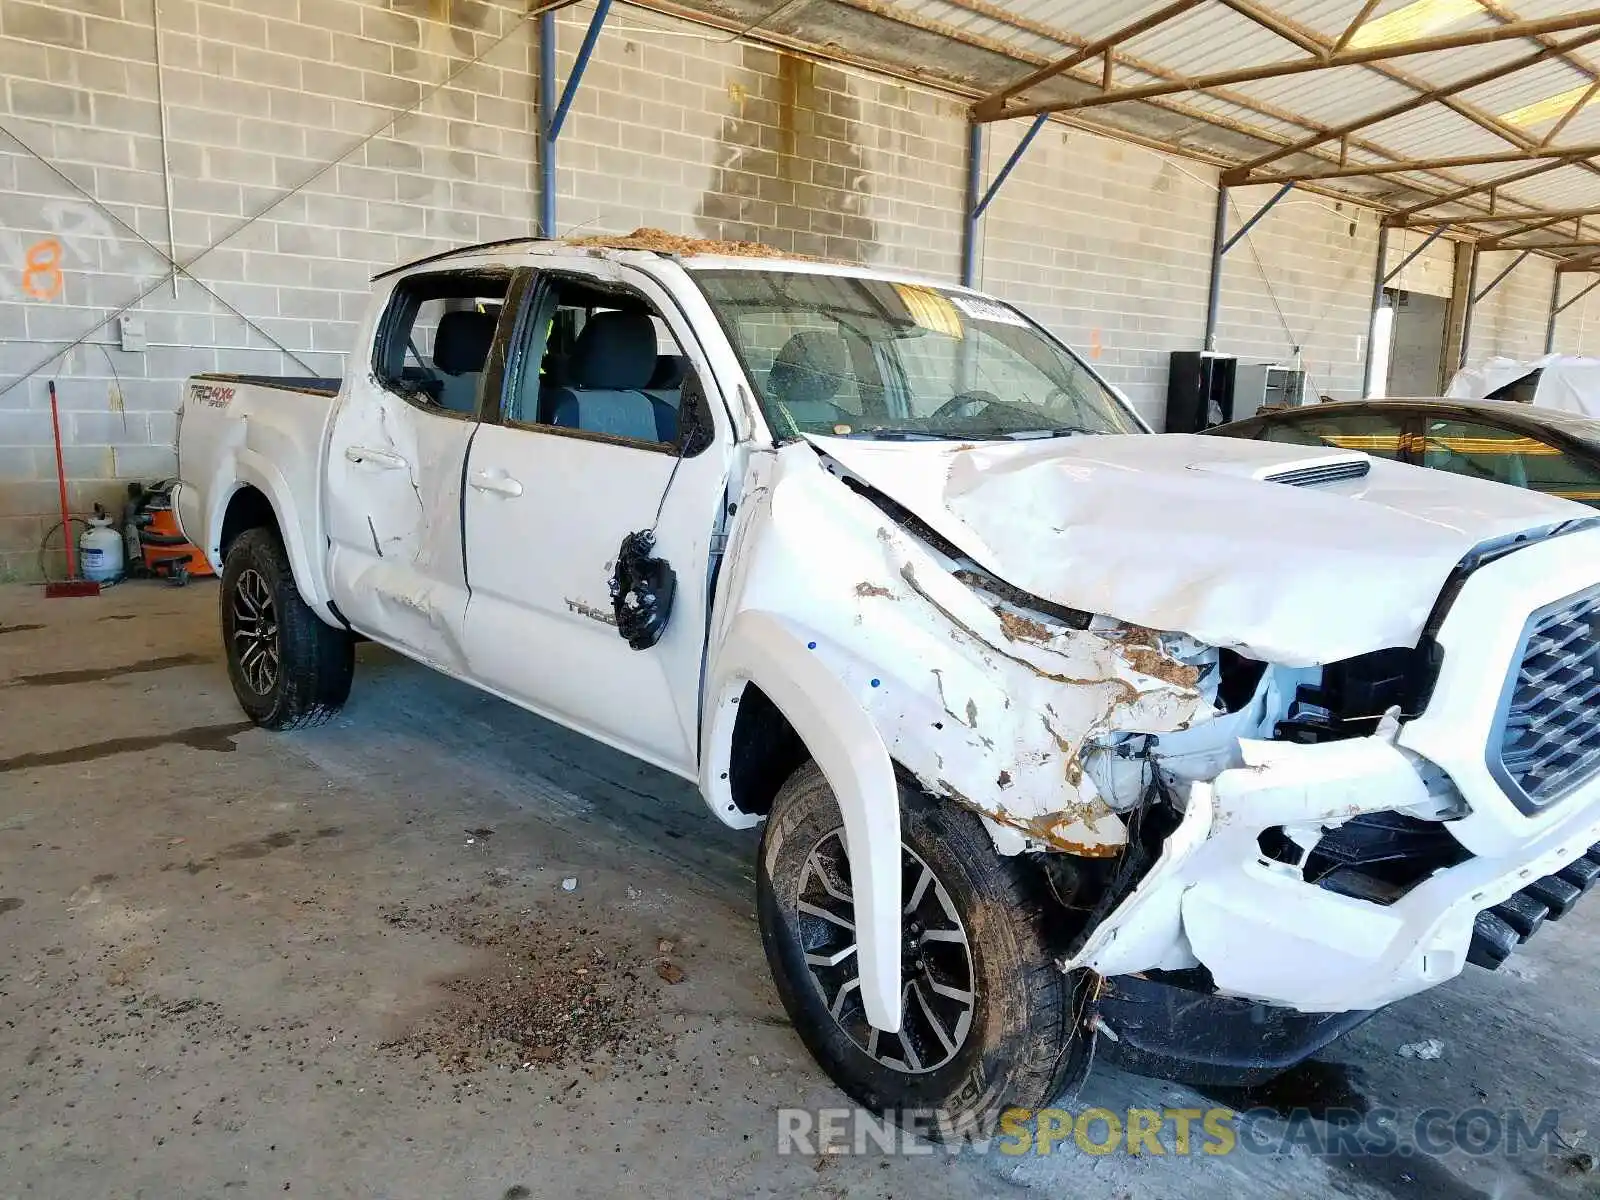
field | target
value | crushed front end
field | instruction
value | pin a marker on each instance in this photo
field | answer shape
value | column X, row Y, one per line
column 1381, row 822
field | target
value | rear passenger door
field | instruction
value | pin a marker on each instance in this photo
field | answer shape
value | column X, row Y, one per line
column 394, row 462
column 583, row 448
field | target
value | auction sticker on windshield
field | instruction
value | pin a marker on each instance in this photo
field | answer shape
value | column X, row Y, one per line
column 980, row 308
column 930, row 309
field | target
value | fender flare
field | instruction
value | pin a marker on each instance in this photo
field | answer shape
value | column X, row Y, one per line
column 772, row 653
column 253, row 470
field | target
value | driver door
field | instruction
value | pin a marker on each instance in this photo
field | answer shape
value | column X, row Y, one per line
column 580, row 451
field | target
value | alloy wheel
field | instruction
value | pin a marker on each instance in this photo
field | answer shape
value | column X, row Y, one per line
column 938, row 995
column 255, row 631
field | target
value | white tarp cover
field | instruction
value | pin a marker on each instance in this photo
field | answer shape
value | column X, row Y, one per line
column 1566, row 383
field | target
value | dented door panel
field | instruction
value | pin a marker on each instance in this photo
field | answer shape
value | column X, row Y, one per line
column 394, row 523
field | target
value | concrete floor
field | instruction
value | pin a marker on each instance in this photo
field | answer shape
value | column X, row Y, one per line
column 237, row 964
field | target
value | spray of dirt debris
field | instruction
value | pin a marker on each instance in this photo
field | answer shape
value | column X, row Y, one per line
column 548, row 996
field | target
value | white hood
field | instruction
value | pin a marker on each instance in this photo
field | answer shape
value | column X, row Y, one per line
column 1171, row 531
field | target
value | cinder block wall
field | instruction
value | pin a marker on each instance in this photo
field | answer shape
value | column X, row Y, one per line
column 310, row 149
column 1511, row 320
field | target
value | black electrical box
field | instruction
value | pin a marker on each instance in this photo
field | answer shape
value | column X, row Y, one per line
column 1199, row 390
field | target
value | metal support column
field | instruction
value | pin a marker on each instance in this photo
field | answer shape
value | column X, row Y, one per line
column 1555, row 311
column 975, row 205
column 1219, row 235
column 1379, row 278
column 1550, row 336
column 547, row 141
column 969, row 226
column 553, row 112
column 1466, row 318
column 1221, row 244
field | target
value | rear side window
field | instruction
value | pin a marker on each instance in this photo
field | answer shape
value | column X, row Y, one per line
column 1378, row 436
column 433, row 343
column 1509, row 456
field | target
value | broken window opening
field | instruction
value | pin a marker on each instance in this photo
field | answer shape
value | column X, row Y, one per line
column 434, row 339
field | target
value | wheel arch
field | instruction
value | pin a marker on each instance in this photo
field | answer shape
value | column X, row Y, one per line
column 260, row 496
column 767, row 653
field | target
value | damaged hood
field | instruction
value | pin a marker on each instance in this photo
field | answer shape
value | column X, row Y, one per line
column 1178, row 532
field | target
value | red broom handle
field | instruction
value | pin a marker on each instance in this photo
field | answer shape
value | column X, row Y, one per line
column 61, row 482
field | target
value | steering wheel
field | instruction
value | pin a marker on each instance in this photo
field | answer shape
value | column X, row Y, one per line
column 966, row 404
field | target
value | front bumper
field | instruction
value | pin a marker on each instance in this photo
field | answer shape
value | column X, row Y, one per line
column 1181, row 1032
column 1265, row 934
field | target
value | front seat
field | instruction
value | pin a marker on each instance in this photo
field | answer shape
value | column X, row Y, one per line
column 460, row 350
column 610, row 366
column 808, row 373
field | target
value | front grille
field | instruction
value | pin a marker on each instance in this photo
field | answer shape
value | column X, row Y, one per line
column 1550, row 730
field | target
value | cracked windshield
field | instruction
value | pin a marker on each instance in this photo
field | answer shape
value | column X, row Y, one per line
column 864, row 358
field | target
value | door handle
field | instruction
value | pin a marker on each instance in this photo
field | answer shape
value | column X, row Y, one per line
column 500, row 485
column 382, row 459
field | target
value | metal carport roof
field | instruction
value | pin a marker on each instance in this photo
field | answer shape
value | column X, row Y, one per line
column 1466, row 112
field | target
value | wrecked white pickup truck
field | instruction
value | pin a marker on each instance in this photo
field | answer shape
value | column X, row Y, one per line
column 1059, row 729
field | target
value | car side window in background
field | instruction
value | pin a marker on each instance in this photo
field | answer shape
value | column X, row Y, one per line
column 433, row 343
column 1508, row 456
column 1374, row 434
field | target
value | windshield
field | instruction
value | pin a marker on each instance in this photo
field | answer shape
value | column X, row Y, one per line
column 865, row 358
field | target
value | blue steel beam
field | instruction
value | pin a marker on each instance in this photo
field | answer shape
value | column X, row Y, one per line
column 585, row 52
column 1495, row 282
column 1259, row 213
column 547, row 141
column 553, row 112
column 1010, row 165
column 969, row 225
column 1412, row 257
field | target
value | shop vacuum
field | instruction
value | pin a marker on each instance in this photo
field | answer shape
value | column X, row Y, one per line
column 155, row 548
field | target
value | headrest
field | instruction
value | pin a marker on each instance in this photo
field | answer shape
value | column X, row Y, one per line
column 615, row 352
column 461, row 343
column 669, row 373
column 810, row 368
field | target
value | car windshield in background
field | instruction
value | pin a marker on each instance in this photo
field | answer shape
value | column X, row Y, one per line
column 850, row 357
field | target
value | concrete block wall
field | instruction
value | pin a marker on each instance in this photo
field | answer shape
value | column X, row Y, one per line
column 1578, row 329
column 1297, row 289
column 311, row 145
column 1511, row 321
column 1107, row 243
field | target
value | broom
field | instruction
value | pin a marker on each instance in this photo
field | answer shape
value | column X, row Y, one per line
column 72, row 585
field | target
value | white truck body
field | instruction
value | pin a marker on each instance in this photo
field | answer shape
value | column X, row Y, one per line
column 483, row 548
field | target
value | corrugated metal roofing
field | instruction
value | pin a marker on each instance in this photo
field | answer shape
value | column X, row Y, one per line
column 979, row 47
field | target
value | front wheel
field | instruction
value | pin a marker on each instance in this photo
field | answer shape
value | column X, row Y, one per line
column 987, row 1014
column 289, row 668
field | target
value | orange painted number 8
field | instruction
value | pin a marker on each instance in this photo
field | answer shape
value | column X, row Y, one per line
column 42, row 280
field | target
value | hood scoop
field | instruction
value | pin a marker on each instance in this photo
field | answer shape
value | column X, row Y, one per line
column 1309, row 470
column 1319, row 471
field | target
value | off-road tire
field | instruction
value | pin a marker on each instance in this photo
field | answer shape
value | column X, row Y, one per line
column 315, row 661
column 1022, row 1048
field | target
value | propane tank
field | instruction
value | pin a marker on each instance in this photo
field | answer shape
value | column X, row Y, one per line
column 100, row 548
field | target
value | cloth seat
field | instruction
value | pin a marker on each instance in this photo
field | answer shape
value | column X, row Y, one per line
column 460, row 352
column 611, row 364
column 807, row 374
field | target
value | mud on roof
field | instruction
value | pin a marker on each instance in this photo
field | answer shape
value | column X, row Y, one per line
column 662, row 242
